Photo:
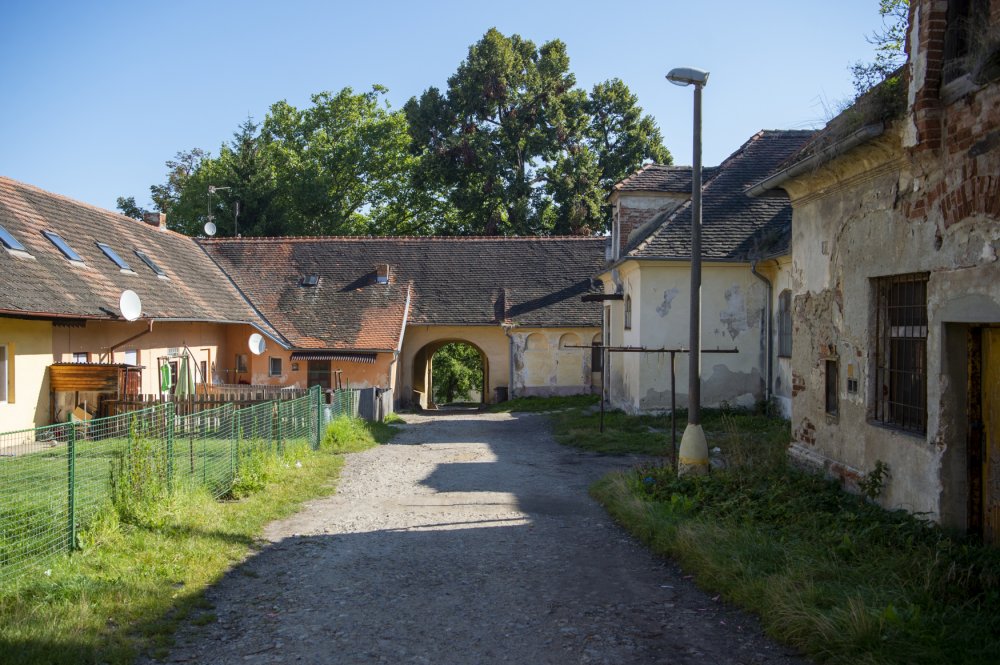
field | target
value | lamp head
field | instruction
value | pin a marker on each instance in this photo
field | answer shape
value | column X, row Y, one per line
column 687, row 76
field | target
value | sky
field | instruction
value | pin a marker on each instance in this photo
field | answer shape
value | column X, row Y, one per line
column 98, row 95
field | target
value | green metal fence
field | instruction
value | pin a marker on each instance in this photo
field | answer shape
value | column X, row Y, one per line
column 55, row 480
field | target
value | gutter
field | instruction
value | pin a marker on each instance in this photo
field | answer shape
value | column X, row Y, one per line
column 111, row 349
column 768, row 328
column 510, row 355
column 825, row 155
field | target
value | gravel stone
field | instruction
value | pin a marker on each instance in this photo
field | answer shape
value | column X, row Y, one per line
column 469, row 539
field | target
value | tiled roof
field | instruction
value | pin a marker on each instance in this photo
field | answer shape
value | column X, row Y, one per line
column 735, row 226
column 660, row 178
column 452, row 281
column 49, row 284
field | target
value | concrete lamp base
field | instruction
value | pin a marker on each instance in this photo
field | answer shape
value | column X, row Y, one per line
column 692, row 459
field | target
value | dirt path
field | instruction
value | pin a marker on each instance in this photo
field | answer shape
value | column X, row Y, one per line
column 470, row 539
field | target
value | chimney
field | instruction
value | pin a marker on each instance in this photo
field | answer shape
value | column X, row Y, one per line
column 382, row 273
column 157, row 219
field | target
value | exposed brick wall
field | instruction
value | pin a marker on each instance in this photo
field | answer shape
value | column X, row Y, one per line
column 930, row 17
column 631, row 218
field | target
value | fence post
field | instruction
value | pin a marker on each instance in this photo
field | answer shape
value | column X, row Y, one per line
column 171, row 412
column 71, row 485
column 319, row 417
column 279, row 440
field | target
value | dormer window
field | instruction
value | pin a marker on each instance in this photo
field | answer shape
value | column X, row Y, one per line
column 309, row 280
column 382, row 273
column 113, row 255
column 152, row 264
column 62, row 246
column 10, row 242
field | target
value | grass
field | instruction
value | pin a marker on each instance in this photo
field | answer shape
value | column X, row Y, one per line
column 833, row 575
column 538, row 404
column 352, row 435
column 131, row 583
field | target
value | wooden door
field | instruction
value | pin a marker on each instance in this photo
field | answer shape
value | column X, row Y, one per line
column 991, row 435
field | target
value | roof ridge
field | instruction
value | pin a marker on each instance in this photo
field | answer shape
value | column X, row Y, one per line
column 96, row 208
column 339, row 238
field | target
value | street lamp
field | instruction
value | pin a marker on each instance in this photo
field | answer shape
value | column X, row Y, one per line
column 692, row 457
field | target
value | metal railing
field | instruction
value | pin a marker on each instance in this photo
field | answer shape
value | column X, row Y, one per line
column 55, row 480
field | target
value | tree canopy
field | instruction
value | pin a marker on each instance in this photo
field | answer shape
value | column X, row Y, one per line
column 889, row 43
column 511, row 147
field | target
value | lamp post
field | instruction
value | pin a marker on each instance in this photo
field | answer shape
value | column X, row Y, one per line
column 692, row 457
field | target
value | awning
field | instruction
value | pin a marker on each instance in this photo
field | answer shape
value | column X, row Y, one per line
column 366, row 358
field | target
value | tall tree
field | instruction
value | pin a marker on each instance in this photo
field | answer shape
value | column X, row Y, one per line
column 516, row 148
column 457, row 371
column 889, row 43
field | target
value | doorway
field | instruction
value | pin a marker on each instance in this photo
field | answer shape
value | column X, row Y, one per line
column 984, row 433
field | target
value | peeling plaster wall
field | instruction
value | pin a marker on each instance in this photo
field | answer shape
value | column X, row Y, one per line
column 882, row 210
column 545, row 364
column 732, row 316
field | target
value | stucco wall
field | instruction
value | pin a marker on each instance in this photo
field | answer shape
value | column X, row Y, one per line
column 733, row 307
column 29, row 353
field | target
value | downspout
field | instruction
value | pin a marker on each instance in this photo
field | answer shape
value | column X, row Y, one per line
column 510, row 354
column 111, row 349
column 767, row 326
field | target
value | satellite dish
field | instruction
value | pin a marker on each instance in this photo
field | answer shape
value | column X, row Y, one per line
column 257, row 344
column 210, row 229
column 130, row 305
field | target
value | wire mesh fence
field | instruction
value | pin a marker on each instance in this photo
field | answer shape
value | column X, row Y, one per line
column 55, row 480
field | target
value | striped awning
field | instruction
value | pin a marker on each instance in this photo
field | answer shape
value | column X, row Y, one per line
column 343, row 356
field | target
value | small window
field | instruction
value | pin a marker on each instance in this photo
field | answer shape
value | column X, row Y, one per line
column 965, row 19
column 596, row 356
column 274, row 367
column 3, row 373
column 149, row 262
column 832, row 399
column 81, row 357
column 63, row 247
column 309, row 280
column 628, row 312
column 131, row 357
column 901, row 351
column 241, row 363
column 607, row 326
column 10, row 242
column 785, row 324
column 113, row 255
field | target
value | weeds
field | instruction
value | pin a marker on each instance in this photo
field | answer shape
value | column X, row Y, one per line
column 351, row 435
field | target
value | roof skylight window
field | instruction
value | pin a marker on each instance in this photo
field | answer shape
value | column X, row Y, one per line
column 111, row 254
column 310, row 280
column 149, row 262
column 58, row 241
column 9, row 241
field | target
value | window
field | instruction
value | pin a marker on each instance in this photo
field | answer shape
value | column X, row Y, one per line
column 131, row 357
column 203, row 366
column 596, row 355
column 3, row 374
column 67, row 251
column 832, row 399
column 149, row 262
column 113, row 255
column 309, row 280
column 274, row 367
column 628, row 312
column 785, row 324
column 241, row 363
column 963, row 19
column 81, row 357
column 318, row 374
column 10, row 242
column 901, row 352
column 607, row 326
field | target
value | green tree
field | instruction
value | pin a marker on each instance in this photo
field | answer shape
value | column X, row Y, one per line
column 457, row 371
column 129, row 208
column 889, row 43
column 516, row 148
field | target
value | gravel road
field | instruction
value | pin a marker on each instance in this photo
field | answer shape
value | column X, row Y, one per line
column 470, row 539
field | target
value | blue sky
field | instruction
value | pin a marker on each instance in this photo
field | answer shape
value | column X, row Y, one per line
column 98, row 95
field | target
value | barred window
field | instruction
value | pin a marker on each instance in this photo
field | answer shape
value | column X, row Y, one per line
column 832, row 382
column 628, row 312
column 901, row 351
column 785, row 324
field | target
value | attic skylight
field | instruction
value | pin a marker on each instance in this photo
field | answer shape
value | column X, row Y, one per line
column 111, row 254
column 10, row 242
column 149, row 262
column 309, row 280
column 63, row 247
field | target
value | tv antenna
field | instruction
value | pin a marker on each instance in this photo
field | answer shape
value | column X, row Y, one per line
column 210, row 228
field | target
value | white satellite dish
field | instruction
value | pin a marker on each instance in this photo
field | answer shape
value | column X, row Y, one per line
column 130, row 305
column 257, row 344
column 210, row 229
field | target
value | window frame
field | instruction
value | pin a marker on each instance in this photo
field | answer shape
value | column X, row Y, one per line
column 270, row 366
column 831, row 387
column 5, row 364
column 785, row 324
column 115, row 258
column 899, row 392
column 60, row 243
column 242, row 363
column 628, row 312
column 76, row 357
column 8, row 240
column 148, row 260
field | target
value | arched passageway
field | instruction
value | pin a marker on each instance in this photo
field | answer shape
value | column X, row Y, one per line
column 467, row 373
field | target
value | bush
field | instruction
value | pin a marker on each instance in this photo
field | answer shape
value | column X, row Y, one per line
column 139, row 484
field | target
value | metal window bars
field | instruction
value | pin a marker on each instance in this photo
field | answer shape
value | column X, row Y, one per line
column 901, row 352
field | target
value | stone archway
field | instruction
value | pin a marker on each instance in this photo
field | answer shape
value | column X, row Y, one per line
column 423, row 366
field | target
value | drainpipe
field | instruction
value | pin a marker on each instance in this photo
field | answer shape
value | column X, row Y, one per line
column 767, row 326
column 111, row 349
column 510, row 354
